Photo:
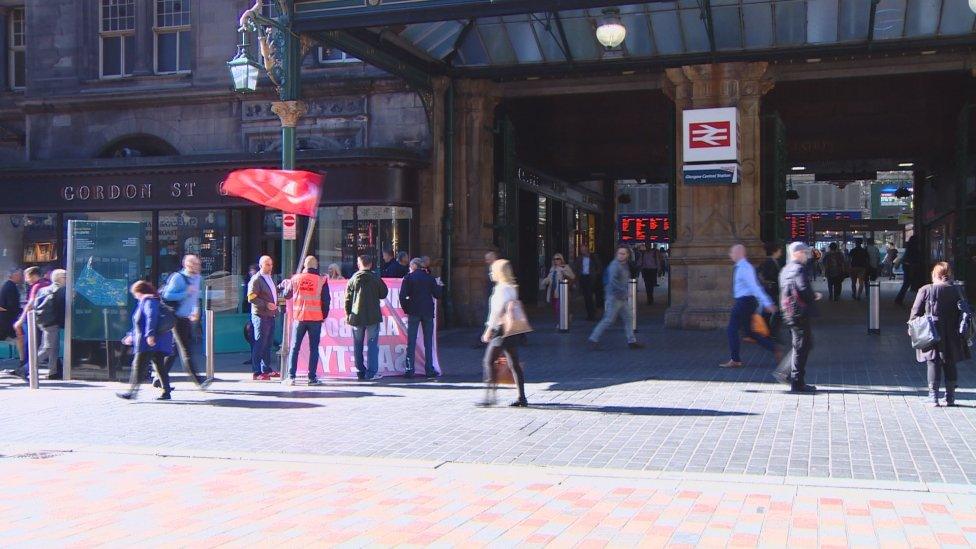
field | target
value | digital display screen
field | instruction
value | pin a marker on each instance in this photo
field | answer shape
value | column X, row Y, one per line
column 644, row 228
column 800, row 223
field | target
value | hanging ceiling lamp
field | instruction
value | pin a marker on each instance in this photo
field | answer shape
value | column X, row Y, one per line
column 611, row 32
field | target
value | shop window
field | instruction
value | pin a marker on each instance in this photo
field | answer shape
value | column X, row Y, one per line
column 16, row 50
column 334, row 246
column 28, row 240
column 173, row 40
column 117, row 42
column 200, row 232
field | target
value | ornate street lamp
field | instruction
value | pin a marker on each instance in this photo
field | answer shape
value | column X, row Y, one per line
column 243, row 70
column 611, row 32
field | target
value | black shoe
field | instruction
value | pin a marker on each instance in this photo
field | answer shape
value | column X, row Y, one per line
column 19, row 372
column 408, row 374
column 157, row 384
column 126, row 396
column 55, row 376
column 804, row 388
column 432, row 375
column 205, row 384
column 635, row 345
column 520, row 403
column 248, row 361
column 164, row 396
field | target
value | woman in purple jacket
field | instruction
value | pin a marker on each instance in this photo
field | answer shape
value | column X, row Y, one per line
column 148, row 343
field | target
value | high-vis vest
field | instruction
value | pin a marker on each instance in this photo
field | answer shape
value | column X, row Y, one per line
column 307, row 297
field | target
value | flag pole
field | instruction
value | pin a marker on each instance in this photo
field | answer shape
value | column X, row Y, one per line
column 309, row 231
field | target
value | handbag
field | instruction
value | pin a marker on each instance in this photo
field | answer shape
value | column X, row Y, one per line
column 502, row 374
column 514, row 319
column 922, row 329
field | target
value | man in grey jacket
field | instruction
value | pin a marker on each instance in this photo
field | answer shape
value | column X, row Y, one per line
column 798, row 303
column 616, row 304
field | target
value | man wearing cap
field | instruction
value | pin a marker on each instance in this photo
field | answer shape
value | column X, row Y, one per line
column 748, row 295
column 798, row 301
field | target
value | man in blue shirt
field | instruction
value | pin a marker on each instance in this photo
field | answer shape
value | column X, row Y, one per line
column 748, row 295
column 182, row 293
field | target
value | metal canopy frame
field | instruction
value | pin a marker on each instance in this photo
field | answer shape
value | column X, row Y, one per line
column 503, row 39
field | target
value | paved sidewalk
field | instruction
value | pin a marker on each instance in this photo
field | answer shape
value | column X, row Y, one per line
column 92, row 498
column 665, row 408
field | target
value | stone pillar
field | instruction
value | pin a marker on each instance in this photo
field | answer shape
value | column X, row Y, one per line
column 474, row 172
column 431, row 181
column 710, row 219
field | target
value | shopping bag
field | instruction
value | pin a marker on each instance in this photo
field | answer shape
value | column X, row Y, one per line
column 759, row 326
column 922, row 329
column 502, row 374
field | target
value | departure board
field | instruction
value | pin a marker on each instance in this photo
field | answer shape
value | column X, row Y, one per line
column 800, row 224
column 644, row 228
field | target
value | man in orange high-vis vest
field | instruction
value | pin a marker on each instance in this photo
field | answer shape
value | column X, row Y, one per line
column 310, row 306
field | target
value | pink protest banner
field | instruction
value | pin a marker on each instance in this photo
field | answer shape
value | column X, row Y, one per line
column 336, row 358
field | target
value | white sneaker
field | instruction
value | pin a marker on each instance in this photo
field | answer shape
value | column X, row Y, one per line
column 375, row 377
column 290, row 381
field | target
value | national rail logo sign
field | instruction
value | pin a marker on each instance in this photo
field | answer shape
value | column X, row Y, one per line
column 711, row 135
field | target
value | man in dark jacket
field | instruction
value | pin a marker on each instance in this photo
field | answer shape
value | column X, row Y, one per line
column 910, row 262
column 417, row 294
column 10, row 302
column 587, row 267
column 363, row 294
column 798, row 302
column 860, row 264
column 395, row 268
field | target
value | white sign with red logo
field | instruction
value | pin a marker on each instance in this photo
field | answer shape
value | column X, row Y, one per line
column 337, row 358
column 289, row 226
column 711, row 135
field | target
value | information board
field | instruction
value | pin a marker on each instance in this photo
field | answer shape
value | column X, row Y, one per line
column 800, row 223
column 104, row 257
column 644, row 228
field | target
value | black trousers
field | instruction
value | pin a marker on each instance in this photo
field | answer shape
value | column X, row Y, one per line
column 937, row 368
column 183, row 335
column 586, row 287
column 794, row 365
column 138, row 374
column 509, row 347
column 650, row 282
column 835, row 285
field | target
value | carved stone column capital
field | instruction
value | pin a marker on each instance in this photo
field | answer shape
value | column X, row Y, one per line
column 289, row 112
column 717, row 85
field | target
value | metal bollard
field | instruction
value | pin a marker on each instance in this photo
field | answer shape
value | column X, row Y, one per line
column 633, row 303
column 32, row 357
column 285, row 349
column 208, row 344
column 874, row 307
column 563, row 305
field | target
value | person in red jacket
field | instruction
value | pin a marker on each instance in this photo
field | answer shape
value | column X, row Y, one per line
column 310, row 306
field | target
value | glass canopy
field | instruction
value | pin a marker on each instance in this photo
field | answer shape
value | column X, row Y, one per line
column 666, row 29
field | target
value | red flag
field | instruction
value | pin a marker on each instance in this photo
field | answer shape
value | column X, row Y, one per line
column 291, row 191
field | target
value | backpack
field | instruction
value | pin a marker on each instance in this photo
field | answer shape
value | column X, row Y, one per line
column 47, row 310
column 967, row 326
column 167, row 318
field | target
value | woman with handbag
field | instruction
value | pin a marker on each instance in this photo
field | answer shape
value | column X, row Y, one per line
column 503, row 308
column 940, row 302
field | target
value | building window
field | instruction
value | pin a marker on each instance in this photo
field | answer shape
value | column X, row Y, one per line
column 172, row 28
column 17, row 46
column 117, row 41
column 328, row 56
column 269, row 8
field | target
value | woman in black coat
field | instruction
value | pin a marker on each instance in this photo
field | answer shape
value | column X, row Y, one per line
column 943, row 298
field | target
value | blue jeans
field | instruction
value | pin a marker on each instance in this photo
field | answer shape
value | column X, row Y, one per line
column 314, row 331
column 741, row 321
column 612, row 308
column 371, row 334
column 413, row 323
column 261, row 349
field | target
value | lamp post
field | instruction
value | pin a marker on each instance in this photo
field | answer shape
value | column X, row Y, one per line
column 281, row 50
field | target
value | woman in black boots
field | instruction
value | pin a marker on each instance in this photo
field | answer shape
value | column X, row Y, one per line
column 505, row 290
column 941, row 300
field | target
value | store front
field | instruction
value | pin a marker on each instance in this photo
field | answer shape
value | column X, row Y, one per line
column 368, row 203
